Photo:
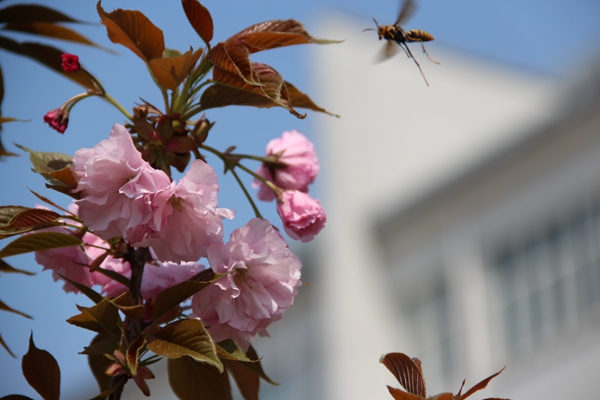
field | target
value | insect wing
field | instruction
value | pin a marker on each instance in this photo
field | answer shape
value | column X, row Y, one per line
column 387, row 51
column 405, row 12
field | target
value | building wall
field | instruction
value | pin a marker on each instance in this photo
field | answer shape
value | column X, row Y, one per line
column 425, row 188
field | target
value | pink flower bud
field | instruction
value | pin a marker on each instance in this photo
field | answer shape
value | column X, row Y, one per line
column 303, row 217
column 58, row 119
column 301, row 165
column 70, row 62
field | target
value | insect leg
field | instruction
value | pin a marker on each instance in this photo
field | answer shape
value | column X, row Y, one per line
column 403, row 49
column 407, row 49
column 427, row 54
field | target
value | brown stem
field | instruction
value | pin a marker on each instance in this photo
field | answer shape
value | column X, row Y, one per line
column 131, row 329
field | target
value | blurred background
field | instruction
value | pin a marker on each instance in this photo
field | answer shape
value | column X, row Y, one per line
column 463, row 218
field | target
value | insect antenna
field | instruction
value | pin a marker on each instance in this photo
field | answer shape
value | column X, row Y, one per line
column 372, row 29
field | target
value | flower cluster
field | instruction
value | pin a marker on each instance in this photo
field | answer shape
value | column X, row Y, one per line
column 123, row 195
column 120, row 195
column 292, row 167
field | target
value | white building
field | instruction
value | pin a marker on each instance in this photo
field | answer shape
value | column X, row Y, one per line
column 464, row 224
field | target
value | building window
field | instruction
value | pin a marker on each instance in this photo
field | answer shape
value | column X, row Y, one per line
column 551, row 285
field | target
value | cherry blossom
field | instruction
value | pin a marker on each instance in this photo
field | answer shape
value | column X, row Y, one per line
column 186, row 217
column 261, row 284
column 116, row 187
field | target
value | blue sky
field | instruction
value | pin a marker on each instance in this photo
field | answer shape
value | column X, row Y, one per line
column 546, row 37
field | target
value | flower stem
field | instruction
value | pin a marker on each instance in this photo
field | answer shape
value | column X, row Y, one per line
column 231, row 166
column 119, row 107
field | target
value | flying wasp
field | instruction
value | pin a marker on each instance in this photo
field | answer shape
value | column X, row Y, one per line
column 395, row 33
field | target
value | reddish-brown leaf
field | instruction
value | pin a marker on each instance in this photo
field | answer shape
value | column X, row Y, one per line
column 33, row 217
column 247, row 382
column 5, row 267
column 480, row 385
column 6, row 307
column 15, row 397
column 191, row 379
column 301, row 100
column 271, row 87
column 49, row 29
column 234, row 58
column 32, row 13
column 170, row 72
column 275, row 33
column 48, row 56
column 442, row 396
column 41, row 372
column 406, row 371
column 199, row 18
column 133, row 30
column 98, row 362
column 398, row 394
column 64, row 176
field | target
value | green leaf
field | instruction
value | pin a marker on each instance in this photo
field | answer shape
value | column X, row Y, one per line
column 186, row 337
column 54, row 167
column 86, row 290
column 133, row 354
column 191, row 379
column 5, row 307
column 39, row 241
column 101, row 318
column 102, row 344
column 27, row 220
column 6, row 268
column 125, row 304
column 255, row 366
column 8, row 212
column 229, row 350
column 3, row 344
column 41, row 372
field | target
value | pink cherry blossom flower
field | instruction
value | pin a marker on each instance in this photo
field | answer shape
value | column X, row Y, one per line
column 262, row 283
column 157, row 276
column 70, row 62
column 58, row 119
column 116, row 187
column 302, row 165
column 303, row 217
column 71, row 262
column 186, row 217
